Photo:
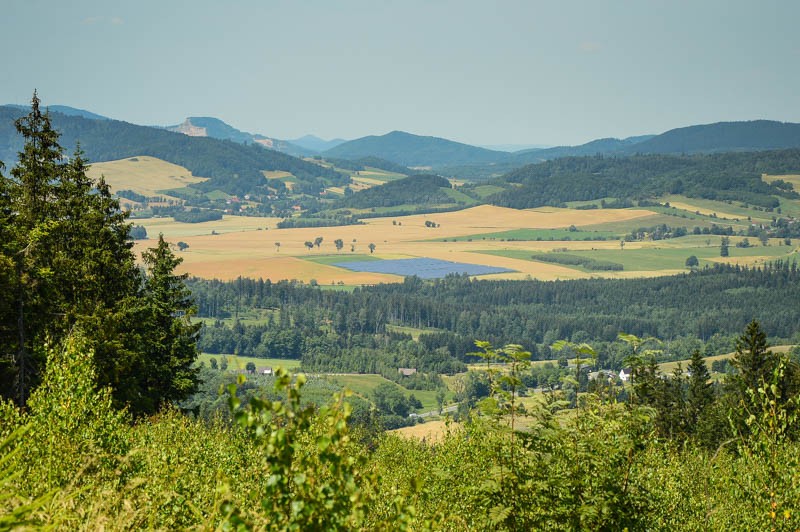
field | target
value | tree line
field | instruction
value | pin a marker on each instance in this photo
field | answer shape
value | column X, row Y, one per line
column 66, row 265
column 533, row 313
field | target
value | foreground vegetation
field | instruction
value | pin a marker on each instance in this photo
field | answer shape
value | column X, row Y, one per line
column 71, row 460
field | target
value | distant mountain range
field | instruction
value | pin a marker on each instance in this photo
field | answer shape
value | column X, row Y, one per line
column 64, row 110
column 414, row 150
column 409, row 150
column 233, row 167
column 206, row 126
column 316, row 144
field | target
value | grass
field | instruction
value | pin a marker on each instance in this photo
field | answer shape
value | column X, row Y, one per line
column 668, row 367
column 484, row 191
column 415, row 332
column 659, row 216
column 364, row 384
column 240, row 362
column 666, row 258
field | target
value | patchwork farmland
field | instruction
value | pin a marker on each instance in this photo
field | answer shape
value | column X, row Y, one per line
column 493, row 237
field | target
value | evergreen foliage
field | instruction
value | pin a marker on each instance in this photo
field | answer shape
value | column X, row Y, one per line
column 66, row 264
column 726, row 176
column 414, row 190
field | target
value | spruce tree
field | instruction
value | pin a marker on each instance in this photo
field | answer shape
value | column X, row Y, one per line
column 700, row 391
column 169, row 338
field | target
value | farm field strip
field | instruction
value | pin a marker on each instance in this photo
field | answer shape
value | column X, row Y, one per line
column 668, row 367
column 240, row 362
column 726, row 212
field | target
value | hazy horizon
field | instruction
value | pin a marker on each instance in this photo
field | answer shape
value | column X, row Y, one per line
column 514, row 72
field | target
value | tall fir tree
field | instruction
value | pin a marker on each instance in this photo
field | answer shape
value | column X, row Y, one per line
column 157, row 322
column 700, row 390
column 66, row 261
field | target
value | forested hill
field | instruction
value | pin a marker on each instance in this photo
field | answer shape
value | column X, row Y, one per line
column 234, row 168
column 723, row 136
column 414, row 190
column 754, row 135
column 414, row 150
column 724, row 176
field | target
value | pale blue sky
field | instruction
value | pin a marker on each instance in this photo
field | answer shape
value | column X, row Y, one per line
column 561, row 72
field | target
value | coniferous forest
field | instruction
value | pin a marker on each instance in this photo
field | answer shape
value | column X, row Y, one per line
column 108, row 422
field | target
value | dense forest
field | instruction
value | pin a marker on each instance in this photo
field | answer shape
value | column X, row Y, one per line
column 413, row 190
column 351, row 331
column 726, row 176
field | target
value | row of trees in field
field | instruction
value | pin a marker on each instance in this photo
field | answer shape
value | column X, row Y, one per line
column 66, row 265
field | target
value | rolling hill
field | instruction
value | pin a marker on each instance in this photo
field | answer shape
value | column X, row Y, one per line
column 723, row 136
column 414, row 150
column 234, row 168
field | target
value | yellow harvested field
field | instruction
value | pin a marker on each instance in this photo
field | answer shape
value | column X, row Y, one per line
column 705, row 211
column 239, row 249
column 276, row 174
column 173, row 230
column 431, row 431
column 794, row 179
column 368, row 181
column 233, row 265
column 143, row 174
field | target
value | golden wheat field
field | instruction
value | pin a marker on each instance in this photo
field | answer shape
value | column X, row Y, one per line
column 241, row 249
column 143, row 174
column 430, row 431
column 794, row 179
column 254, row 247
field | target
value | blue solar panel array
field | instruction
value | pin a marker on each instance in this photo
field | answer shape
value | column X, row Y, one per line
column 422, row 268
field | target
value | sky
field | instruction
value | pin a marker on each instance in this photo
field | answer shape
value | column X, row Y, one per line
column 480, row 72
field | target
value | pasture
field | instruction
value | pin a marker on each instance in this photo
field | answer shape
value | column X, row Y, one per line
column 668, row 367
column 363, row 384
column 236, row 362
